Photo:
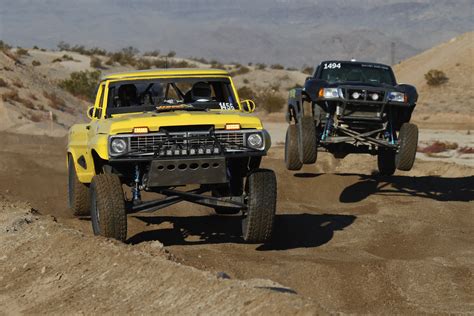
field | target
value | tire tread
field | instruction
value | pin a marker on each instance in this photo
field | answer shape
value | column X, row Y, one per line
column 110, row 200
column 262, row 189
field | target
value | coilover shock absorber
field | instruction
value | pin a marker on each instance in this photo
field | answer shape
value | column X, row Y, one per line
column 136, row 188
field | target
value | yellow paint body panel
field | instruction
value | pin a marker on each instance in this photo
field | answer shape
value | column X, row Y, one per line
column 91, row 140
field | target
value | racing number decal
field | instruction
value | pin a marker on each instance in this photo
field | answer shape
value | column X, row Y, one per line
column 332, row 65
column 226, row 106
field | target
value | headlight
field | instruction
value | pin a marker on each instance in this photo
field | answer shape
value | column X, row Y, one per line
column 255, row 141
column 396, row 96
column 330, row 93
column 118, row 146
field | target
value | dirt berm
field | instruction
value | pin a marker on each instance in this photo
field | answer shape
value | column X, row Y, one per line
column 46, row 267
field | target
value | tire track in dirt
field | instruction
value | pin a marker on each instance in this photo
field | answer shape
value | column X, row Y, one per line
column 350, row 240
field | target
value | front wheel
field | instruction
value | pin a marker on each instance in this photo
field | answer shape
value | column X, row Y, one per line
column 292, row 156
column 108, row 213
column 308, row 150
column 408, row 137
column 78, row 192
column 257, row 224
column 386, row 161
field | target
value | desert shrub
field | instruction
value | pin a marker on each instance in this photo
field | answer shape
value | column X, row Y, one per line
column 466, row 150
column 67, row 57
column 143, row 63
column 435, row 77
column 11, row 95
column 35, row 117
column 57, row 60
column 285, row 77
column 246, row 93
column 277, row 67
column 3, row 83
column 96, row 62
column 82, row 84
column 246, row 81
column 180, row 64
column 291, row 69
column 169, row 63
column 261, row 66
column 216, row 64
column 63, row 46
column 200, row 60
column 28, row 103
column 35, row 63
column 153, row 53
column 17, row 83
column 240, row 71
column 32, row 96
column 307, row 70
column 270, row 101
column 438, row 147
column 4, row 46
column 54, row 101
column 171, row 54
column 20, row 52
column 124, row 57
column 81, row 49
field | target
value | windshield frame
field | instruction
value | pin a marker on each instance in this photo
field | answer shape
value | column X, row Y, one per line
column 319, row 71
column 110, row 110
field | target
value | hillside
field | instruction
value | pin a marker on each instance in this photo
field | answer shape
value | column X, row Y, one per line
column 453, row 101
column 31, row 103
column 30, row 92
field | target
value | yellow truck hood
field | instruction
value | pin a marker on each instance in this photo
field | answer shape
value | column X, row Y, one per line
column 119, row 124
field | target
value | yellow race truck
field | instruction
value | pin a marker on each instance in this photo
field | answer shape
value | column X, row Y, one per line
column 181, row 133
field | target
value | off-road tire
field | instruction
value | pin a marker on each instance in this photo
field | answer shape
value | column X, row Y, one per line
column 308, row 151
column 108, row 213
column 386, row 161
column 408, row 140
column 78, row 192
column 257, row 225
column 292, row 156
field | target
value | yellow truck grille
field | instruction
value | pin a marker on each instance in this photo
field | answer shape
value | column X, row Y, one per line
column 229, row 141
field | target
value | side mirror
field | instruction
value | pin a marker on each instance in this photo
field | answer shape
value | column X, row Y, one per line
column 248, row 106
column 90, row 112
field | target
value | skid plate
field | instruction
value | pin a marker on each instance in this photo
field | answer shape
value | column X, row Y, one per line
column 174, row 172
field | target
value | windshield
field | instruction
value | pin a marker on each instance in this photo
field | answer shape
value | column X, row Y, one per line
column 199, row 94
column 334, row 72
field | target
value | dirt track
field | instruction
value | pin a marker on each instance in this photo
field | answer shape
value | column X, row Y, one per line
column 345, row 239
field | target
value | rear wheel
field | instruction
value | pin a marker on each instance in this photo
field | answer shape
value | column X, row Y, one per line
column 78, row 192
column 261, row 190
column 386, row 161
column 408, row 138
column 108, row 214
column 307, row 140
column 292, row 157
